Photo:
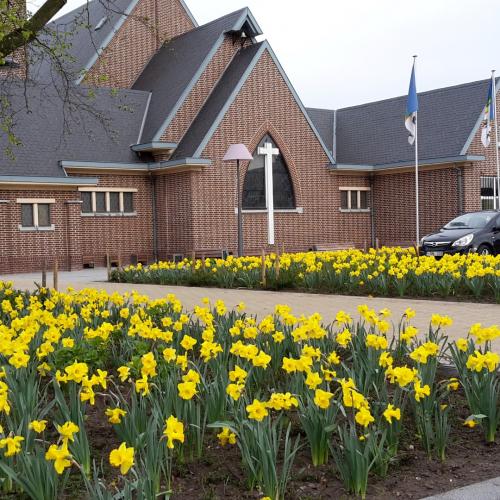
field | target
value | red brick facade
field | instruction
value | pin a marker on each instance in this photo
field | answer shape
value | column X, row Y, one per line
column 149, row 25
column 195, row 209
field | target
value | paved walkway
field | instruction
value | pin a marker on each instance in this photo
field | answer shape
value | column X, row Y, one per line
column 261, row 303
column 486, row 490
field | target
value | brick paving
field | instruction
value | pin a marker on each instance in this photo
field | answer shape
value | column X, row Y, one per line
column 261, row 303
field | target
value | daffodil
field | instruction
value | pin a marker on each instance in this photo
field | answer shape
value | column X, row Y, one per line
column 122, row 457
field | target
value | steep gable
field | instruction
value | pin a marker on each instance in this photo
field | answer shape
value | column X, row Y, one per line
column 223, row 96
column 173, row 72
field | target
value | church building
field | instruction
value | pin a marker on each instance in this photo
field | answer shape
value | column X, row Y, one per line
column 140, row 176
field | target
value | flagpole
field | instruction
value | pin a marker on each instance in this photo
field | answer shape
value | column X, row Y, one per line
column 417, row 204
column 494, row 104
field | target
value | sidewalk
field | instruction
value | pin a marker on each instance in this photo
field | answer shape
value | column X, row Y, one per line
column 261, row 302
column 486, row 490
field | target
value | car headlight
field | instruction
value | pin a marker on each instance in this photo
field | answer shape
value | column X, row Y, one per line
column 463, row 241
column 422, row 241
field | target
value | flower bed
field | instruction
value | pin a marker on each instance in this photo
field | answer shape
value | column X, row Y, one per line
column 122, row 394
column 385, row 272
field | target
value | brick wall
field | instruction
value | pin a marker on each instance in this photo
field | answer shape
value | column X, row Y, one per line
column 75, row 236
column 151, row 23
column 120, row 235
column 24, row 251
column 394, row 196
column 174, row 201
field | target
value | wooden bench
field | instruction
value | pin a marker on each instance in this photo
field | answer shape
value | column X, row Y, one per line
column 331, row 247
column 88, row 262
column 113, row 260
column 138, row 258
column 209, row 253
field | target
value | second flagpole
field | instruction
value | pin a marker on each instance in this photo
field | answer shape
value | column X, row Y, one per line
column 417, row 201
column 496, row 191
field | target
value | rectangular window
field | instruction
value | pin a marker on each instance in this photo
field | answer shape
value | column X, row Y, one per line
column 363, row 200
column 35, row 214
column 344, row 200
column 100, row 202
column 87, row 203
column 114, row 202
column 43, row 215
column 354, row 199
column 128, row 203
column 27, row 219
column 110, row 202
column 488, row 193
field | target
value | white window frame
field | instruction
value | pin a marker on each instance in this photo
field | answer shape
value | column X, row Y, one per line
column 107, row 201
column 358, row 190
column 34, row 202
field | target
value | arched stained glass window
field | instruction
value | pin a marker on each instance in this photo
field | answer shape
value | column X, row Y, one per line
column 254, row 186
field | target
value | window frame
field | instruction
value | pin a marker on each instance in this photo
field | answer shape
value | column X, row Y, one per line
column 358, row 190
column 34, row 203
column 107, row 202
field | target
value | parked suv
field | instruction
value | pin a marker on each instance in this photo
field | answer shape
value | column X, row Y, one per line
column 474, row 232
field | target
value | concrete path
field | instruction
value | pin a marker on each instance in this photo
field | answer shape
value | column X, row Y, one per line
column 486, row 490
column 261, row 303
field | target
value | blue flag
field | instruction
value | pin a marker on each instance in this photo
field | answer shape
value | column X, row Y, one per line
column 412, row 108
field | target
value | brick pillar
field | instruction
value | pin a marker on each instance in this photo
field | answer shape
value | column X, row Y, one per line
column 73, row 235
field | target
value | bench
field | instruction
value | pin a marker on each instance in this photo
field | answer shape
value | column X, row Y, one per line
column 88, row 262
column 113, row 260
column 137, row 258
column 209, row 253
column 332, row 247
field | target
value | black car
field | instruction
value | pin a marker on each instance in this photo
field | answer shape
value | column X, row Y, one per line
column 473, row 232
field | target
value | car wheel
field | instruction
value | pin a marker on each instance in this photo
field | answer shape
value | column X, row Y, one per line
column 484, row 250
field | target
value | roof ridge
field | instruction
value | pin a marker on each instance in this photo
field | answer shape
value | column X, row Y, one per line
column 426, row 92
column 201, row 26
column 72, row 13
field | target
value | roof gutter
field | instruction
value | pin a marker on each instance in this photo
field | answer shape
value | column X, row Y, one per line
column 48, row 181
column 404, row 164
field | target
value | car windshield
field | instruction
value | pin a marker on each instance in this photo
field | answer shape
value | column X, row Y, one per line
column 470, row 221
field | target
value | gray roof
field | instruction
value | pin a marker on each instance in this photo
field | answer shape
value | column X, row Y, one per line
column 50, row 133
column 176, row 66
column 323, row 121
column 78, row 29
column 201, row 125
column 374, row 133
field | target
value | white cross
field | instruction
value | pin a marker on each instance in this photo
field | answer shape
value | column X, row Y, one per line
column 268, row 151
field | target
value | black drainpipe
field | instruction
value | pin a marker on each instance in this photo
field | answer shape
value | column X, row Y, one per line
column 153, row 207
column 372, row 210
column 460, row 189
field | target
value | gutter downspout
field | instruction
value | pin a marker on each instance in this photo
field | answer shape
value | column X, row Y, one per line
column 460, row 189
column 153, row 207
column 372, row 211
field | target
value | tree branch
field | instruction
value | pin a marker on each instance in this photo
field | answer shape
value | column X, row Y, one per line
column 28, row 30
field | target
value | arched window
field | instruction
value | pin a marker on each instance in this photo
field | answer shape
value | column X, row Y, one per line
column 254, row 186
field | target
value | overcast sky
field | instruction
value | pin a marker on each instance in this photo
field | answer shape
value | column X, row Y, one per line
column 340, row 53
